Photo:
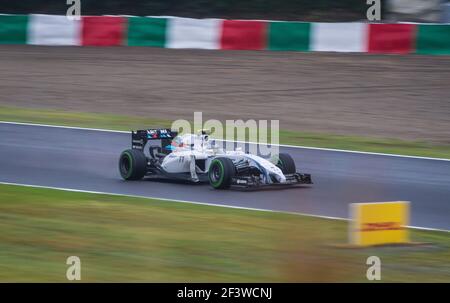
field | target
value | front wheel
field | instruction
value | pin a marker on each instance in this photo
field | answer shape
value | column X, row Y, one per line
column 132, row 164
column 286, row 164
column 220, row 173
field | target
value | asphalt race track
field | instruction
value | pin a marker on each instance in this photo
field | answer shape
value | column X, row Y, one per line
column 87, row 160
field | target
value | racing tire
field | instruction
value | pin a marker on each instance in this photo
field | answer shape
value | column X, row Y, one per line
column 132, row 164
column 221, row 172
column 286, row 164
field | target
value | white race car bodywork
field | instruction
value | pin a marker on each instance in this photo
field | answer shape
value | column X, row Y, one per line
column 191, row 148
column 162, row 153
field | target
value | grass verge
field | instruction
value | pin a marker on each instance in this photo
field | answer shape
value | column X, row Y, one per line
column 121, row 122
column 136, row 239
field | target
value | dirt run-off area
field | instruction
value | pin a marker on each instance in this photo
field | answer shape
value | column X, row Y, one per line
column 394, row 96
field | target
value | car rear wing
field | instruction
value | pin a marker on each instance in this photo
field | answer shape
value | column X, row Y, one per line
column 139, row 138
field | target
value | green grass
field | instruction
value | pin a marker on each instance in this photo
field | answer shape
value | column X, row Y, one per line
column 121, row 122
column 136, row 239
column 65, row 118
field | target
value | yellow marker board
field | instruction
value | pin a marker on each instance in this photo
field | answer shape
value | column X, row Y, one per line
column 379, row 223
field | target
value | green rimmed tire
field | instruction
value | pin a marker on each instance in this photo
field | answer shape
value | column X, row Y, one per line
column 286, row 164
column 220, row 173
column 132, row 164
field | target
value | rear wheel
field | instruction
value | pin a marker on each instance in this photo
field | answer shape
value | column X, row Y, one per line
column 286, row 164
column 132, row 164
column 220, row 173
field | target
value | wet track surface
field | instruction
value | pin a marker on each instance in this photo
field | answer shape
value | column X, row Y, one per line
column 87, row 160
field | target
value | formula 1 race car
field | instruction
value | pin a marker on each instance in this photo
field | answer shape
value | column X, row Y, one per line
column 196, row 158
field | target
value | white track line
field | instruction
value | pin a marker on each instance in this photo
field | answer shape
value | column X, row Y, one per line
column 202, row 203
column 282, row 145
column 168, row 200
column 67, row 127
